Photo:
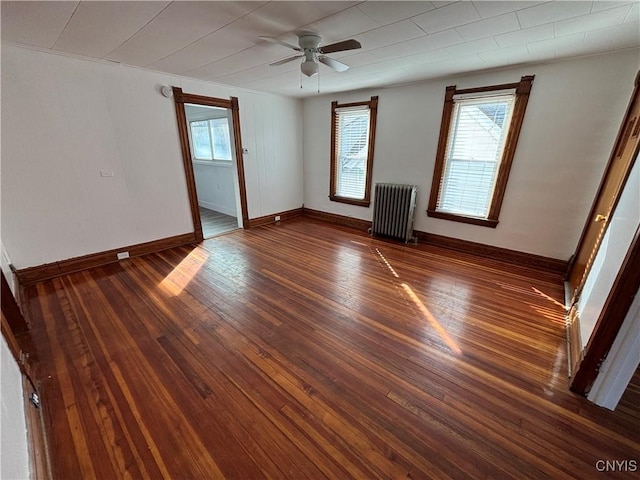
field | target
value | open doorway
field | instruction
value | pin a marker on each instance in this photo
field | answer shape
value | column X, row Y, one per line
column 211, row 146
column 212, row 154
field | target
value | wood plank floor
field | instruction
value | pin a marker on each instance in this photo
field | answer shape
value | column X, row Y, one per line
column 215, row 223
column 304, row 350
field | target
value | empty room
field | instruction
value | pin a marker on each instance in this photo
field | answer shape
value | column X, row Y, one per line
column 320, row 239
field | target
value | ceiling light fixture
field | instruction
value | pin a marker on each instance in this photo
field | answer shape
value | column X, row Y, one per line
column 309, row 68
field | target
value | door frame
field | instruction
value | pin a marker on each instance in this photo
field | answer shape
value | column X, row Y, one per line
column 584, row 363
column 180, row 98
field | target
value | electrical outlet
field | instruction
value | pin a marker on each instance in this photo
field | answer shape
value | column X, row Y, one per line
column 277, row 218
column 123, row 255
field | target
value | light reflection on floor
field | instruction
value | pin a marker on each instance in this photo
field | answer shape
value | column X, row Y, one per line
column 437, row 326
column 174, row 283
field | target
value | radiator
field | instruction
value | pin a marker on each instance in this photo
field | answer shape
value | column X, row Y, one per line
column 393, row 209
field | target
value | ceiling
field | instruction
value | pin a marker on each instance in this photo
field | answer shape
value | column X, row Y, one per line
column 401, row 41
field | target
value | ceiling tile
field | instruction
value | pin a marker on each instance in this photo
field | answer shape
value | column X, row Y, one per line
column 360, row 59
column 215, row 46
column 552, row 12
column 594, row 21
column 255, row 56
column 394, row 33
column 35, row 23
column 634, row 14
column 568, row 45
column 527, row 35
column 489, row 27
column 470, row 48
column 607, row 39
column 348, row 23
column 391, row 12
column 419, row 45
column 179, row 25
column 447, row 17
column 607, row 4
column 97, row 28
column 507, row 55
column 488, row 8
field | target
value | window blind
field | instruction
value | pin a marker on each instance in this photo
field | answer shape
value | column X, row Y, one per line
column 477, row 137
column 352, row 145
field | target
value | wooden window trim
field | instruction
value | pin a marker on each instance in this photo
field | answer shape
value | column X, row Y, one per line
column 373, row 109
column 523, row 88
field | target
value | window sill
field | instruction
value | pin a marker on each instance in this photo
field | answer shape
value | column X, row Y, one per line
column 350, row 201
column 483, row 222
column 213, row 163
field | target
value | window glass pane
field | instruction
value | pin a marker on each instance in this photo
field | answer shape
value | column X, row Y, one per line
column 353, row 147
column 474, row 150
column 221, row 138
column 201, row 140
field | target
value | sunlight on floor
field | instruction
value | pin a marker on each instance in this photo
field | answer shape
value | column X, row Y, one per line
column 542, row 294
column 174, row 283
column 432, row 320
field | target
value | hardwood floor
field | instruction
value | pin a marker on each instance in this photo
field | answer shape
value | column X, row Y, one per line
column 215, row 223
column 304, row 350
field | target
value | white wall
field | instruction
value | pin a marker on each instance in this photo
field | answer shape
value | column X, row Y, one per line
column 215, row 186
column 571, row 122
column 65, row 119
column 14, row 461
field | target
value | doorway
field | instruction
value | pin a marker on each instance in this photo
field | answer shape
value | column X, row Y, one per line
column 212, row 154
column 211, row 147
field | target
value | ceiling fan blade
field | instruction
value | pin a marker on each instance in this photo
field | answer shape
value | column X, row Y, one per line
column 286, row 60
column 280, row 42
column 340, row 46
column 335, row 64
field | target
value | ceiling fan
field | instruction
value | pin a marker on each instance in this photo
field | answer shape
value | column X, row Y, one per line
column 312, row 52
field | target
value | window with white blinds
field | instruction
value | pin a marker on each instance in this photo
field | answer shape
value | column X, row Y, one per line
column 474, row 151
column 352, row 128
column 477, row 143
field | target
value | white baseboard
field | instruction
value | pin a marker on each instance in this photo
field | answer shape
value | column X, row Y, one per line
column 217, row 208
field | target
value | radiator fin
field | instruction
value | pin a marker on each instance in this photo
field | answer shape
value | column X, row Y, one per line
column 393, row 210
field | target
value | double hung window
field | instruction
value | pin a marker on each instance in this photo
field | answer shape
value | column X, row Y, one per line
column 352, row 140
column 478, row 136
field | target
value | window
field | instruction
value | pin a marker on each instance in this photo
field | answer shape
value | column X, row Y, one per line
column 211, row 139
column 353, row 128
column 478, row 137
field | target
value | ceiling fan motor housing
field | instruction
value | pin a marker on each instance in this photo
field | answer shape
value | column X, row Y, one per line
column 309, row 42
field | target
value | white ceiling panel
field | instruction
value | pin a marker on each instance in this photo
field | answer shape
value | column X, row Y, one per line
column 483, row 45
column 606, row 5
column 450, row 16
column 608, row 39
column 178, row 26
column 489, row 27
column 528, row 35
column 97, row 28
column 390, row 34
column 385, row 13
column 349, row 23
column 489, row 8
column 215, row 46
column 552, row 12
column 401, row 41
column 556, row 46
column 38, row 24
column 509, row 55
column 634, row 14
column 604, row 18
